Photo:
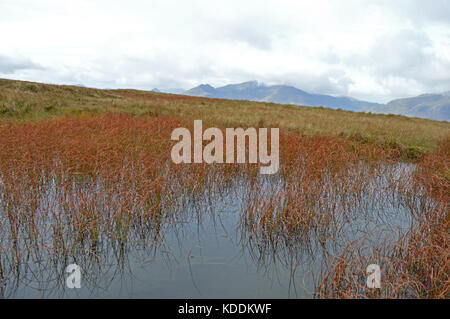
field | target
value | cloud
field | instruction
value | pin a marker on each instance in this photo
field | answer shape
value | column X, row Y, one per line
column 369, row 49
column 419, row 13
column 9, row 65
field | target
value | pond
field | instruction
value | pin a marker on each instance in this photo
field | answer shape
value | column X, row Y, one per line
column 211, row 248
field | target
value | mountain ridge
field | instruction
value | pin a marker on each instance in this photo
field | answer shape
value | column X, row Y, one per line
column 285, row 94
column 429, row 105
column 434, row 106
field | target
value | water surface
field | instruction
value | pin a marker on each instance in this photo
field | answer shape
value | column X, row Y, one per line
column 208, row 249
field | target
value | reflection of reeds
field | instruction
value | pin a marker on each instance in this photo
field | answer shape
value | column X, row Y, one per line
column 418, row 264
column 415, row 266
column 70, row 187
column 91, row 189
column 320, row 198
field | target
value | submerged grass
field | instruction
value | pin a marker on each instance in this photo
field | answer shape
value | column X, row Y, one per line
column 84, row 172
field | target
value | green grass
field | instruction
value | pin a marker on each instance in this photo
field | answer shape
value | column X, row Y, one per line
column 27, row 101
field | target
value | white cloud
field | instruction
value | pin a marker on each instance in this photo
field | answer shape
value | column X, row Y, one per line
column 10, row 65
column 376, row 50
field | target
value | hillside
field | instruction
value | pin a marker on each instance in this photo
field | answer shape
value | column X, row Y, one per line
column 24, row 101
column 432, row 106
column 429, row 106
column 283, row 94
column 91, row 172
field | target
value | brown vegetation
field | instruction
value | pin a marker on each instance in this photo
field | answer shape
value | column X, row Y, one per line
column 75, row 185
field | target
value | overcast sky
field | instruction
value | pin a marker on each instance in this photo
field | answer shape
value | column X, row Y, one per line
column 373, row 50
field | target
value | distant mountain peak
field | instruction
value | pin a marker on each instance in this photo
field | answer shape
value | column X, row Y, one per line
column 285, row 94
column 250, row 84
column 432, row 106
column 204, row 90
column 205, row 87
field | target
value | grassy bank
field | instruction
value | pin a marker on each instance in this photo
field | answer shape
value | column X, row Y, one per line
column 84, row 172
column 410, row 137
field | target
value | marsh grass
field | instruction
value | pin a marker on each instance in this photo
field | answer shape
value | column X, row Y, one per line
column 410, row 137
column 86, row 174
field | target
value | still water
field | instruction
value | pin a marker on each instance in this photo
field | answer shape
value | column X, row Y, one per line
column 207, row 251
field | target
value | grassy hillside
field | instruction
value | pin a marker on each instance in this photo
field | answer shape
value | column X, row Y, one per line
column 281, row 94
column 431, row 106
column 24, row 101
column 87, row 175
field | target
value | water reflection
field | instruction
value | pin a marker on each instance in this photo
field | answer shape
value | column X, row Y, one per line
column 234, row 240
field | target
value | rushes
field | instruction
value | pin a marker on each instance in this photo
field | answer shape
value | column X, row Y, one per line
column 91, row 187
column 69, row 185
column 355, row 209
column 83, row 188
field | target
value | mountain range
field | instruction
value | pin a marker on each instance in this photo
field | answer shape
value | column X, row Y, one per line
column 282, row 94
column 431, row 106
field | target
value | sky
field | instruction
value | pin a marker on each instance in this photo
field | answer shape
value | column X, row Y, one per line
column 367, row 49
